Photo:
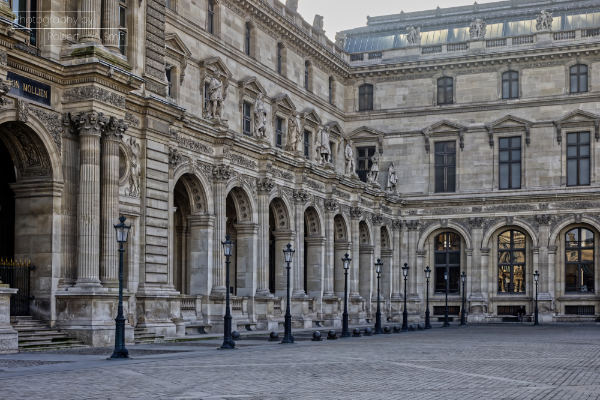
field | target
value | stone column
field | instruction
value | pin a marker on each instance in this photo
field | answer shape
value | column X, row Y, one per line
column 474, row 289
column 413, row 237
column 330, row 207
column 265, row 186
column 543, row 258
column 282, row 238
column 377, row 222
column 486, row 287
column 355, row 214
column 90, row 125
column 110, row 23
column 298, row 271
column 109, row 265
column 221, row 174
column 89, row 21
column 395, row 275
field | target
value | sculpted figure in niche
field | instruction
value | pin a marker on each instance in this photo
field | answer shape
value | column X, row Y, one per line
column 413, row 36
column 323, row 148
column 544, row 21
column 293, row 133
column 260, row 117
column 134, row 171
column 349, row 156
column 392, row 179
column 215, row 98
column 373, row 174
column 478, row 29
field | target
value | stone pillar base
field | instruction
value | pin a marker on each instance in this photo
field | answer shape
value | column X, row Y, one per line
column 156, row 312
column 9, row 338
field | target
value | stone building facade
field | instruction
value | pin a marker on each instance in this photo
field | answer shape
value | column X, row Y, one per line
column 464, row 139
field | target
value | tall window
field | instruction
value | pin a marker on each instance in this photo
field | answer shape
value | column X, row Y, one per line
column 26, row 15
column 279, row 132
column 307, row 75
column 365, row 97
column 247, row 118
column 210, row 17
column 123, row 26
column 510, row 85
column 280, row 58
column 578, row 158
column 579, row 78
column 511, row 262
column 579, row 260
column 510, row 162
column 447, row 262
column 364, row 163
column 307, row 145
column 169, row 74
column 445, row 90
column 248, row 39
column 445, row 167
column 331, row 89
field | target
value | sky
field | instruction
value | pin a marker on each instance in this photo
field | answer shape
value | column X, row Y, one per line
column 346, row 14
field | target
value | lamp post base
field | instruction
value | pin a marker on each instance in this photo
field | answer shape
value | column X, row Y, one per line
column 119, row 354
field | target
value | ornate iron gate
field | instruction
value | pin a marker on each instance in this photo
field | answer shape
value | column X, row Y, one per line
column 17, row 275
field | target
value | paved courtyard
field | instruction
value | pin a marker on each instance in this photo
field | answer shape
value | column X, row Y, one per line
column 477, row 362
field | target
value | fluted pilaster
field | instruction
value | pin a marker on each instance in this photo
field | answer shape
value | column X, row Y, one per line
column 265, row 186
column 110, row 24
column 221, row 175
column 89, row 21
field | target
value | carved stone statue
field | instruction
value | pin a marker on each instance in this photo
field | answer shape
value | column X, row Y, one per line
column 293, row 133
column 340, row 40
column 292, row 5
column 349, row 156
column 318, row 23
column 544, row 21
column 477, row 29
column 260, row 117
column 392, row 180
column 215, row 98
column 324, row 149
column 413, row 36
column 373, row 174
column 134, row 169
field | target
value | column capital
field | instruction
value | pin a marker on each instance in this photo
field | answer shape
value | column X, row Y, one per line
column 300, row 196
column 396, row 225
column 222, row 173
column 114, row 129
column 265, row 185
column 356, row 212
column 412, row 225
column 476, row 222
column 331, row 205
column 90, row 123
column 377, row 220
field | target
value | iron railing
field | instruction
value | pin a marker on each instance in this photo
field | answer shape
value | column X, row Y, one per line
column 17, row 274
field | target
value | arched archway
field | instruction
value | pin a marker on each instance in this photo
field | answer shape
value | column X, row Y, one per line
column 342, row 246
column 192, row 231
column 313, row 252
column 242, row 230
column 28, row 200
column 280, row 235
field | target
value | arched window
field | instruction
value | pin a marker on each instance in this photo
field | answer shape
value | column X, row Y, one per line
column 447, row 262
column 579, row 260
column 445, row 90
column 578, row 75
column 365, row 97
column 510, row 85
column 511, row 262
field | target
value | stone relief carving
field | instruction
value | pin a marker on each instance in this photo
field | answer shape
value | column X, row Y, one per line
column 94, row 93
column 413, row 225
column 217, row 93
column 278, row 173
column 314, row 184
column 373, row 174
column 193, row 145
column 222, row 172
column 477, row 29
column 301, row 196
column 260, row 117
column 543, row 219
column 4, row 89
column 22, row 110
column 350, row 169
column 131, row 120
column 544, row 21
column 238, row 159
column 413, row 35
column 331, row 205
column 396, row 224
column 356, row 212
column 133, row 188
column 53, row 122
column 265, row 185
column 90, row 123
column 377, row 219
column 175, row 157
column 323, row 147
column 392, row 180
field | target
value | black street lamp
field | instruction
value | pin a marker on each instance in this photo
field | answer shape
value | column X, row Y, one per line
column 288, row 252
column 427, row 319
column 446, row 323
column 378, row 267
column 463, row 279
column 120, row 350
column 405, row 312
column 536, row 278
column 345, row 331
column 228, row 342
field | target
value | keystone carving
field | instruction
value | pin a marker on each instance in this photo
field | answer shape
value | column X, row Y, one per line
column 265, row 185
column 222, row 172
column 331, row 205
column 355, row 213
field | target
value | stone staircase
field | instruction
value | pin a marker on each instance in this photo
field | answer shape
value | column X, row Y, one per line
column 144, row 336
column 35, row 335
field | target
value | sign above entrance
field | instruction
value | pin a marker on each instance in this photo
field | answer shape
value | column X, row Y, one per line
column 29, row 89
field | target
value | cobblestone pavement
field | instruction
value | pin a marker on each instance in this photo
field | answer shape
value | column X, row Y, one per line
column 477, row 362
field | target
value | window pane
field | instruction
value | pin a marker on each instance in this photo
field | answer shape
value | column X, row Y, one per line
column 454, row 279
column 572, row 238
column 584, row 137
column 574, row 88
column 453, row 242
column 504, row 155
column 516, row 155
column 503, row 278
column 572, row 138
column 504, row 257
column 583, row 85
column 504, row 240
column 587, row 238
column 587, row 255
column 572, row 255
column 504, row 142
column 572, row 172
column 516, row 176
column 454, row 258
column 514, row 89
column 571, row 277
column 518, row 257
column 451, row 179
column 440, row 258
column 440, row 242
column 584, row 150
column 505, row 90
column 518, row 240
column 504, row 176
column 518, row 279
column 515, row 142
column 584, row 171
column 439, row 179
column 571, row 151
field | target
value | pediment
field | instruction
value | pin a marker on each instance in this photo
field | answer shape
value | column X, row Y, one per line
column 283, row 101
column 578, row 116
column 334, row 127
column 365, row 133
column 510, row 122
column 444, row 127
column 174, row 43
column 251, row 85
column 311, row 116
column 215, row 66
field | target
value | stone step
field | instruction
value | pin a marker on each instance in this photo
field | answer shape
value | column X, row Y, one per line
column 35, row 335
